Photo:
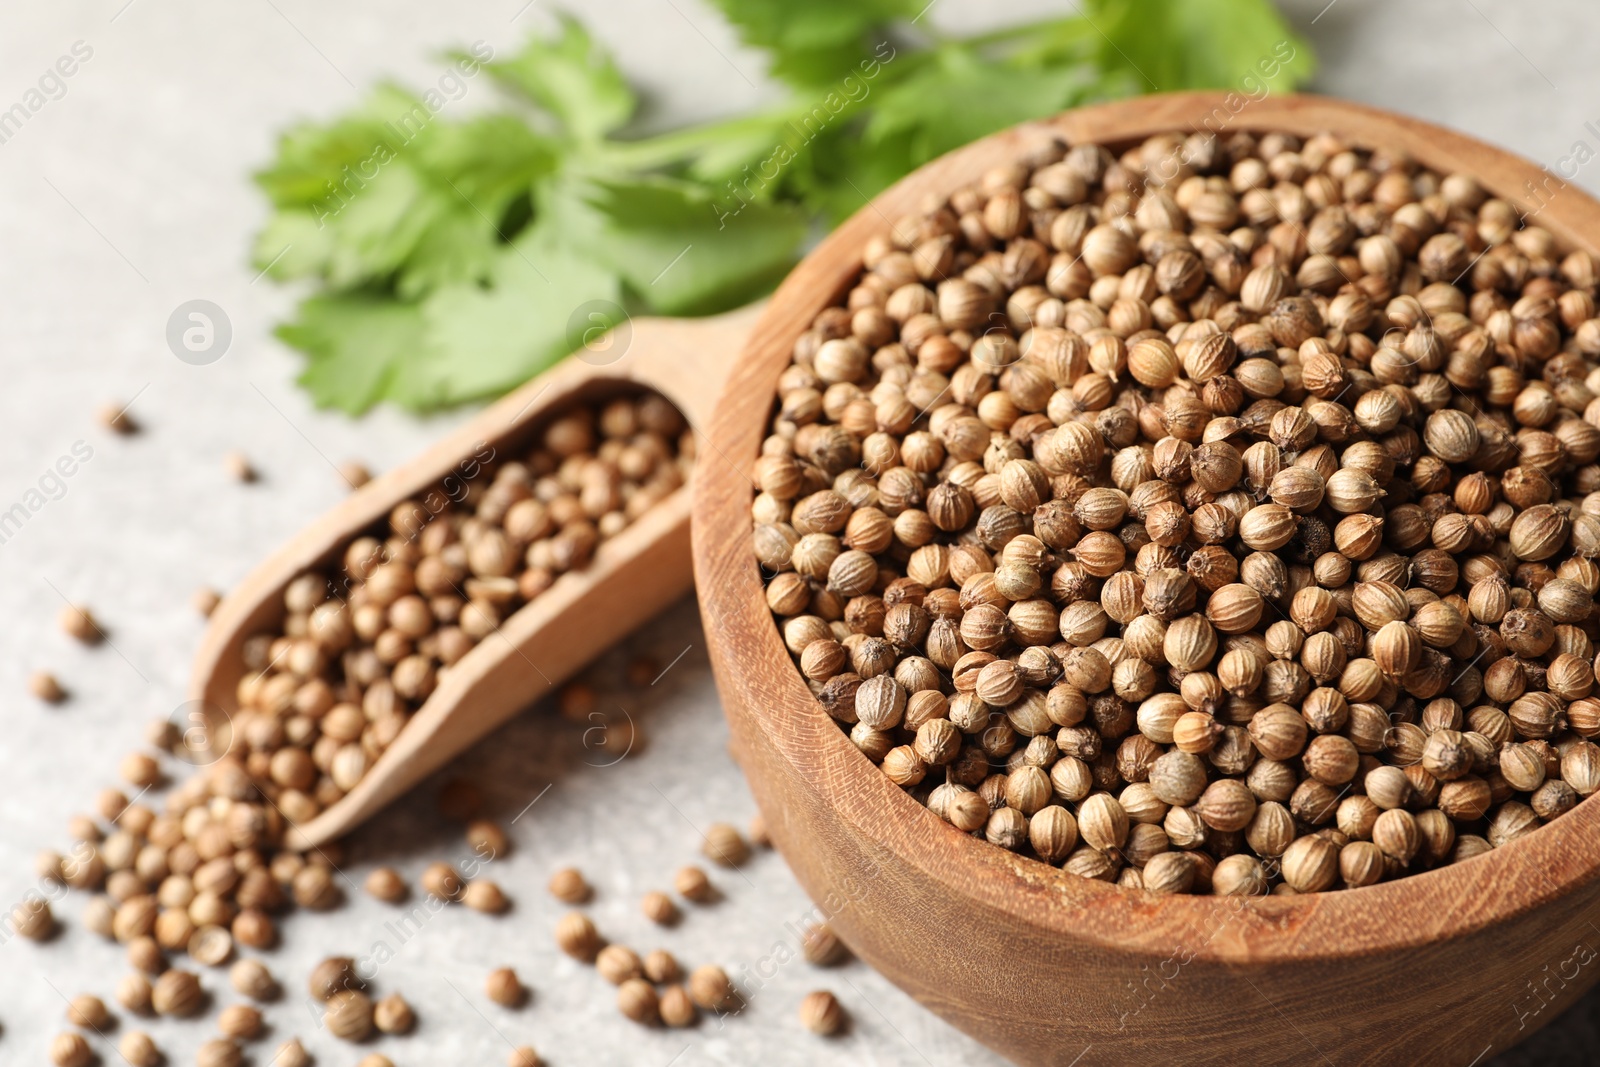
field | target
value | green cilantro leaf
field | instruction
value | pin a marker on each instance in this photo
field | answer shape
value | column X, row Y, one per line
column 964, row 96
column 571, row 77
column 681, row 250
column 479, row 341
column 816, row 41
column 1199, row 44
column 456, row 255
column 358, row 347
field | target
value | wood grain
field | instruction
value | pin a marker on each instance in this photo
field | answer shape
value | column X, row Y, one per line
column 1048, row 968
column 631, row 578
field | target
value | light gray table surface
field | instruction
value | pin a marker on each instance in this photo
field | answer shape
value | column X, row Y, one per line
column 128, row 195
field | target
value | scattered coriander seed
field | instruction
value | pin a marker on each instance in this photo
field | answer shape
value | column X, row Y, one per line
column 77, row 622
column 460, row 800
column 251, row 978
column 139, row 1049
column 661, row 967
column 821, row 1013
column 822, row 946
column 145, row 955
column 99, row 917
column 240, row 1022
column 642, row 671
column 710, row 988
column 483, row 895
column 441, row 881
column 659, row 908
column 693, row 884
column 394, row 1015
column 577, row 937
column 238, row 467
column 177, row 993
column 375, row 1059
column 637, row 999
column 386, row 885
column 43, row 685
column 505, row 988
column 115, row 417
column 333, row 975
column 135, row 994
column 70, row 1050
column 162, row 734
column 577, row 701
column 314, row 887
column 724, row 845
column 523, row 1056
column 349, row 1015
column 291, row 1054
column 32, row 919
column 354, row 473
column 568, row 886
column 48, row 866
column 204, row 600
column 676, row 1007
column 254, row 928
column 219, row 1052
column 487, row 839
column 618, row 964
column 759, row 837
column 89, row 1012
column 211, row 946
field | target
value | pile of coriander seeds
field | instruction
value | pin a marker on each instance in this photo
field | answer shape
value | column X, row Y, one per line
column 1218, row 516
column 360, row 648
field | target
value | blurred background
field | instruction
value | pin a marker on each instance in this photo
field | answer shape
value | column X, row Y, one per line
column 127, row 194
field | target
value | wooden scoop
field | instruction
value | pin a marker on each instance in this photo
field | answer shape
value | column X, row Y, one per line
column 632, row 577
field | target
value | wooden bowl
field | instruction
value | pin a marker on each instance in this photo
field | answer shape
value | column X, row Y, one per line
column 1449, row 966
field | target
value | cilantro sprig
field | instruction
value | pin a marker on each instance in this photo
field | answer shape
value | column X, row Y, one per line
column 449, row 254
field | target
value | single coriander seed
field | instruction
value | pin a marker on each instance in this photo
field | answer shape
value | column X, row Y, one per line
column 821, row 1013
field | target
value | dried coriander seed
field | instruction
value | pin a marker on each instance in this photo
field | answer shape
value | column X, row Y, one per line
column 44, row 686
column 693, row 884
column 251, row 978
column 349, row 1015
column 70, row 1050
column 332, row 975
column 441, row 881
column 711, row 989
column 386, row 884
column 568, row 886
column 219, row 1052
column 638, row 1000
column 483, row 895
column 577, row 937
column 139, row 1049
column 393, row 1015
column 822, row 947
column 238, row 467
column 504, row 988
column 724, row 845
column 821, row 1013
column 240, row 1022
column 291, row 1054
column 659, row 908
column 661, row 967
column 523, row 1056
column 676, row 1007
column 177, row 993
column 77, row 622
column 89, row 1012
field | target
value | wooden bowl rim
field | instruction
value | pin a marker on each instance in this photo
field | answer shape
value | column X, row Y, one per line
column 748, row 652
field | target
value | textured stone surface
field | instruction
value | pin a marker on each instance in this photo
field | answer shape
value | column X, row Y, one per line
column 127, row 196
